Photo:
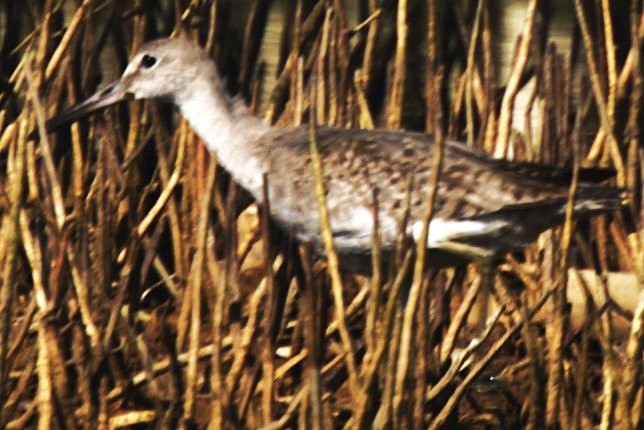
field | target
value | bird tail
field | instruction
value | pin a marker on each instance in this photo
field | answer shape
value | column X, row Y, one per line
column 514, row 226
column 591, row 199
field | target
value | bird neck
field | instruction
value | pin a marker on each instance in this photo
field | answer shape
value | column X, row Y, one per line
column 227, row 128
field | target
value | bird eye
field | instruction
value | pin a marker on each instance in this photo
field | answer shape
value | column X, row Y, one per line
column 148, row 61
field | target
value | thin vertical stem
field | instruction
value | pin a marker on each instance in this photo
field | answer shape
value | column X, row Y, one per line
column 606, row 123
column 514, row 81
column 333, row 264
column 196, row 274
column 396, row 96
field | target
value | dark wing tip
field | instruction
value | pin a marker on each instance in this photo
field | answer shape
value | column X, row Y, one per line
column 556, row 174
column 596, row 174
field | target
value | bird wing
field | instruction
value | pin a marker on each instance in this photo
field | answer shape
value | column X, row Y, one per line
column 398, row 165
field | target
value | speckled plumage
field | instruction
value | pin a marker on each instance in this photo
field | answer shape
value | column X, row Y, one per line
column 484, row 206
column 510, row 203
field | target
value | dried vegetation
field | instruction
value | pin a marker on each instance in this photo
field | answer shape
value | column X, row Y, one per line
column 133, row 293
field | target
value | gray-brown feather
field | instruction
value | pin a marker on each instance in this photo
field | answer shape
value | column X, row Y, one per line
column 472, row 186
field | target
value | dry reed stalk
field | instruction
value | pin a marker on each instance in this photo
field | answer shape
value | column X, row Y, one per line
column 481, row 364
column 10, row 227
column 268, row 368
column 333, row 268
column 405, row 354
column 375, row 286
column 537, row 393
column 470, row 74
column 313, row 385
column 106, row 235
column 397, row 94
column 216, row 376
column 433, row 78
column 629, row 408
column 512, row 87
column 371, row 368
column 555, row 331
column 581, row 373
column 458, row 322
column 606, row 133
column 195, row 281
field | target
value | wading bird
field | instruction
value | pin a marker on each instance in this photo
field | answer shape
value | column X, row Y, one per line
column 484, row 207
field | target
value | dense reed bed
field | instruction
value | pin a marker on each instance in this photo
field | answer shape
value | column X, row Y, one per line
column 138, row 286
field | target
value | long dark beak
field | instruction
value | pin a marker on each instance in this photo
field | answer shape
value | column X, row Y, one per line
column 110, row 95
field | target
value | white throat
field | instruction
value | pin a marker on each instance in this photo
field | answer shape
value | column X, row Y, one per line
column 229, row 132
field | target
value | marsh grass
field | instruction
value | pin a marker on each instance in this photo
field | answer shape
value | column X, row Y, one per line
column 140, row 290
